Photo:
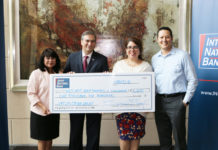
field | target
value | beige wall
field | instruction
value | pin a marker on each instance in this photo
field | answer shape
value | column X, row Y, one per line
column 19, row 114
column 19, row 125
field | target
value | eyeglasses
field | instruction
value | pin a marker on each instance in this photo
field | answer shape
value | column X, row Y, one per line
column 132, row 47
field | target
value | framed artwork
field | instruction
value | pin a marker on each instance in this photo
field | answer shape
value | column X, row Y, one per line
column 58, row 24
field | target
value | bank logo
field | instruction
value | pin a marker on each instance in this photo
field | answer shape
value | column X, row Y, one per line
column 62, row 82
column 208, row 51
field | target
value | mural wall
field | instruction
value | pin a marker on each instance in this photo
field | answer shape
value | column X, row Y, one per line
column 59, row 23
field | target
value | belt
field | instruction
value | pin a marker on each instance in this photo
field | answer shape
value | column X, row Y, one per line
column 171, row 95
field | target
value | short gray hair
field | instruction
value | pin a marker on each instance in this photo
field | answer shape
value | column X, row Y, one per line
column 88, row 32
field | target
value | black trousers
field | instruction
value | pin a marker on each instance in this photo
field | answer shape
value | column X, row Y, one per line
column 170, row 119
column 93, row 124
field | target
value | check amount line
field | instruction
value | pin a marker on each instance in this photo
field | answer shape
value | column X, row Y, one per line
column 129, row 91
column 87, row 97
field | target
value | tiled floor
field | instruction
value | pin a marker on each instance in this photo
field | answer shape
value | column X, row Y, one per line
column 66, row 148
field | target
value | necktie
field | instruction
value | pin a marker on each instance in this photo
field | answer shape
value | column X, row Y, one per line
column 85, row 63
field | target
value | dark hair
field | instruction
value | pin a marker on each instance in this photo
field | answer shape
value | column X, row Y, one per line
column 88, row 32
column 138, row 42
column 49, row 52
column 165, row 28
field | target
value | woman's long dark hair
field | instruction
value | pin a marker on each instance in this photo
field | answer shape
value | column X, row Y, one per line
column 49, row 52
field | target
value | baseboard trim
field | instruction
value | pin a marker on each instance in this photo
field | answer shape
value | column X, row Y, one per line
column 66, row 148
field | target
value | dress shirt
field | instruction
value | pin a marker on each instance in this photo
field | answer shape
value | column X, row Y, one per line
column 175, row 73
column 38, row 90
column 89, row 57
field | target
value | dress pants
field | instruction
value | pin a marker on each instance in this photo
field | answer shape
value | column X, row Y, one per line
column 93, row 124
column 170, row 119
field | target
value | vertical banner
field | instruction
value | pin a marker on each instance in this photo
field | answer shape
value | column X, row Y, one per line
column 3, row 100
column 203, row 111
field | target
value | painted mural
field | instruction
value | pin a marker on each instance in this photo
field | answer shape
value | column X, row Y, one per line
column 59, row 23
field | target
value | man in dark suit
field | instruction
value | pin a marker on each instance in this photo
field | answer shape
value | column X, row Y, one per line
column 86, row 61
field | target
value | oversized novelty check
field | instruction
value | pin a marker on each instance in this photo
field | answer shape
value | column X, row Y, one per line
column 102, row 93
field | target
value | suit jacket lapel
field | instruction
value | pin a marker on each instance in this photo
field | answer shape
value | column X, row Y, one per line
column 80, row 62
column 92, row 60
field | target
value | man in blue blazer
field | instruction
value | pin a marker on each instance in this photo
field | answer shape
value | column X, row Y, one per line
column 86, row 61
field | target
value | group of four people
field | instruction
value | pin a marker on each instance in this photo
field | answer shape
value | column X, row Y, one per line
column 176, row 82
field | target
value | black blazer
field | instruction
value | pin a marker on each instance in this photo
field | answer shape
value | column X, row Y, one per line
column 98, row 63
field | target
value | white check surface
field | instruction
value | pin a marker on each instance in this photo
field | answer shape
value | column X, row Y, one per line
column 102, row 93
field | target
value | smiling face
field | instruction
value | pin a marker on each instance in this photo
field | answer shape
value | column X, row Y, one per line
column 88, row 43
column 49, row 62
column 165, row 40
column 132, row 50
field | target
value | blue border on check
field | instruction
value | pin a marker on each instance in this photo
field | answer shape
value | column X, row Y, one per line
column 81, row 75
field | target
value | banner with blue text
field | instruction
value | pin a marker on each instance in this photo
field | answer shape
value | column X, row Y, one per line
column 203, row 120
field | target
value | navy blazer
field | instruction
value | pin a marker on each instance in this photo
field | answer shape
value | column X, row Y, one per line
column 98, row 63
